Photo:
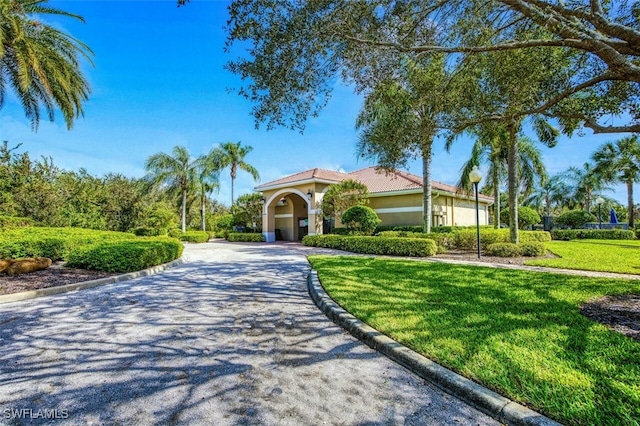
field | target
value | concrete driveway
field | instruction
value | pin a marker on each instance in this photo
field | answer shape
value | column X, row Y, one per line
column 231, row 337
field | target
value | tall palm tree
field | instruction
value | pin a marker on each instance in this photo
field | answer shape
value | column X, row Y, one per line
column 492, row 148
column 550, row 193
column 41, row 62
column 177, row 172
column 619, row 161
column 232, row 156
column 584, row 183
column 208, row 171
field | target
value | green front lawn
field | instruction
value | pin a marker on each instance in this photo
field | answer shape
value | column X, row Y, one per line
column 622, row 256
column 517, row 332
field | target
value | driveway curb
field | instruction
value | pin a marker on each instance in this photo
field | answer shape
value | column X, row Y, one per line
column 485, row 400
column 49, row 291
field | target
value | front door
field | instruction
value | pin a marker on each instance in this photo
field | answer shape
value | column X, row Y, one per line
column 303, row 227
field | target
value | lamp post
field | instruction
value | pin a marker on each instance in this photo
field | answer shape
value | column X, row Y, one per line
column 475, row 177
column 599, row 202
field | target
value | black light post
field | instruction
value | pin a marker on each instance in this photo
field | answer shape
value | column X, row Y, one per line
column 475, row 177
column 599, row 202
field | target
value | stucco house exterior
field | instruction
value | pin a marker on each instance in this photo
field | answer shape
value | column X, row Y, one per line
column 291, row 204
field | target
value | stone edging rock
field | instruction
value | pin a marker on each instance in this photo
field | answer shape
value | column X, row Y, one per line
column 49, row 291
column 485, row 400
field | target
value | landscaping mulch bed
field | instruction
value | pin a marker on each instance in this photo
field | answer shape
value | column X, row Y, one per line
column 54, row 276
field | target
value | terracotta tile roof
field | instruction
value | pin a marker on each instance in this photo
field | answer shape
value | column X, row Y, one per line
column 321, row 174
column 376, row 180
column 381, row 181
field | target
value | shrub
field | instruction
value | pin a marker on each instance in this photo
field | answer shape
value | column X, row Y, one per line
column 175, row 233
column 195, row 236
column 146, row 231
column 405, row 228
column 526, row 216
column 360, row 219
column 465, row 239
column 15, row 222
column 125, row 256
column 443, row 240
column 503, row 250
column 242, row 237
column 53, row 248
column 592, row 234
column 575, row 218
column 340, row 231
column 533, row 249
column 416, row 247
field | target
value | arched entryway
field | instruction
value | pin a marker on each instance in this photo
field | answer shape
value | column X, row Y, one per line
column 289, row 215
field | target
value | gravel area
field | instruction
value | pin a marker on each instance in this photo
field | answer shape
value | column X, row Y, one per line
column 231, row 337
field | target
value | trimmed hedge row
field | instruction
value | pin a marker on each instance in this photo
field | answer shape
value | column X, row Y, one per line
column 592, row 234
column 15, row 222
column 532, row 249
column 415, row 247
column 125, row 256
column 466, row 239
column 195, row 237
column 64, row 243
column 243, row 237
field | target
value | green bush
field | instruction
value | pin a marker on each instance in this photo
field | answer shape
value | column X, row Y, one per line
column 51, row 247
column 503, row 250
column 533, row 249
column 526, row 216
column 416, row 247
column 592, row 234
column 146, row 231
column 243, row 237
column 125, row 256
column 465, row 239
column 15, row 222
column 405, row 228
column 575, row 218
column 175, row 233
column 360, row 219
column 444, row 241
column 195, row 237
column 340, row 231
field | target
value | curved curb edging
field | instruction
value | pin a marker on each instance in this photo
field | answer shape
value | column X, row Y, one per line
column 485, row 400
column 49, row 291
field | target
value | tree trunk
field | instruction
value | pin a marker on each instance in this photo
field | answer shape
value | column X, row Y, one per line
column 426, row 187
column 630, row 203
column 184, row 210
column 512, row 159
column 203, row 212
column 496, row 197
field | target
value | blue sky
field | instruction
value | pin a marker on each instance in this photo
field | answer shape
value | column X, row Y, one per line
column 158, row 82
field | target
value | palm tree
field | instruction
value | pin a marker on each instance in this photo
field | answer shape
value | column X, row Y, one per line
column 583, row 184
column 208, row 170
column 177, row 171
column 41, row 62
column 551, row 192
column 232, row 156
column 492, row 148
column 620, row 162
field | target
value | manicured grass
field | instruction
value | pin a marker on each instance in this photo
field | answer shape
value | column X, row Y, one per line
column 621, row 256
column 517, row 332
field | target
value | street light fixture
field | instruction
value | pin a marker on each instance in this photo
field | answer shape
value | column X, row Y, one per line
column 475, row 177
column 599, row 202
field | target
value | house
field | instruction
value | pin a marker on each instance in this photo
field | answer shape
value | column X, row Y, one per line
column 291, row 204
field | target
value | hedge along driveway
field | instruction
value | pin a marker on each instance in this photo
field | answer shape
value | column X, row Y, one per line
column 231, row 337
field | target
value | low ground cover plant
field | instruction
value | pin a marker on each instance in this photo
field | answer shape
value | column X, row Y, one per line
column 519, row 333
column 621, row 256
column 416, row 247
